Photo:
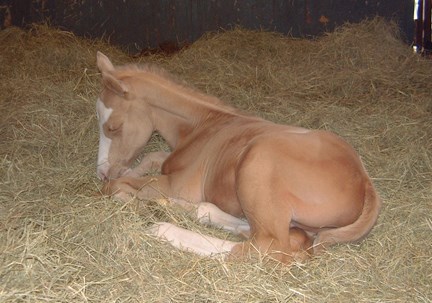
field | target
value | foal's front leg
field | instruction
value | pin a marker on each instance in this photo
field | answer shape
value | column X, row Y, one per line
column 157, row 187
column 144, row 188
column 150, row 162
column 191, row 241
column 209, row 214
column 195, row 242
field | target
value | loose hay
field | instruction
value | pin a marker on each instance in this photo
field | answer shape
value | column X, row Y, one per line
column 60, row 242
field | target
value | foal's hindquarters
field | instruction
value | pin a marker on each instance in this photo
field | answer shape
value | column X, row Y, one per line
column 292, row 190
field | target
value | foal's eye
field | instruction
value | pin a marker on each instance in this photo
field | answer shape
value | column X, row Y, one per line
column 113, row 128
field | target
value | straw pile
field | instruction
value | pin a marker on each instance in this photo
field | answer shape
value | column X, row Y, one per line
column 60, row 242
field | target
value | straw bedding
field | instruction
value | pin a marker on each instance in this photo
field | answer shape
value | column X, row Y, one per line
column 61, row 242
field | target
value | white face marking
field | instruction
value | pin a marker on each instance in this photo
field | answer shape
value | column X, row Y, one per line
column 103, row 114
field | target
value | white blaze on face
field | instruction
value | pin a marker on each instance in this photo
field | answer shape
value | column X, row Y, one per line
column 103, row 165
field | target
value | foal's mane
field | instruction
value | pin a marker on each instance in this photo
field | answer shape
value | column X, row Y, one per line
column 130, row 70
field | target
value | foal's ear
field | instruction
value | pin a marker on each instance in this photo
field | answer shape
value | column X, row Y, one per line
column 115, row 85
column 103, row 63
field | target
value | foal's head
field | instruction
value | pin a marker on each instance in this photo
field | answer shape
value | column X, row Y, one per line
column 125, row 124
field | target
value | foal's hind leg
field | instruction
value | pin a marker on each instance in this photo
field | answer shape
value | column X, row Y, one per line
column 299, row 248
column 269, row 205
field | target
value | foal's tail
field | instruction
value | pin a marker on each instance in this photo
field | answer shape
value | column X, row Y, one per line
column 357, row 230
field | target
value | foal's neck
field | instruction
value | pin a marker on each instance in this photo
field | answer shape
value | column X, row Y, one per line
column 176, row 109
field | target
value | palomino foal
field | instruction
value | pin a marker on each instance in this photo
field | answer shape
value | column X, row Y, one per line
column 289, row 190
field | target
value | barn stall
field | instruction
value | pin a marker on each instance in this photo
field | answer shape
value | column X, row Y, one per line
column 61, row 241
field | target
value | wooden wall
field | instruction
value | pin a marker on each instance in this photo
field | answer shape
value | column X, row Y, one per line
column 140, row 24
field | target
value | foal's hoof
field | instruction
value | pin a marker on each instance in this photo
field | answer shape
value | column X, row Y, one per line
column 108, row 189
column 112, row 189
